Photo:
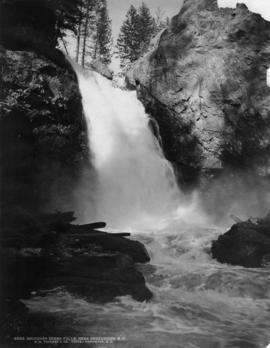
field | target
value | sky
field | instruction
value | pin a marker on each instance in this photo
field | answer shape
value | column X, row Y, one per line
column 119, row 8
column 258, row 6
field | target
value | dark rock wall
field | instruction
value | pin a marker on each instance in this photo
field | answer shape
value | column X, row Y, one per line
column 205, row 83
column 43, row 135
column 42, row 129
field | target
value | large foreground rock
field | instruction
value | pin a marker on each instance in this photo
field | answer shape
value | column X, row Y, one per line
column 205, row 84
column 246, row 244
column 43, row 252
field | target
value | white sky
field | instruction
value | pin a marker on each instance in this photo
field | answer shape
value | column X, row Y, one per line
column 258, row 6
column 119, row 8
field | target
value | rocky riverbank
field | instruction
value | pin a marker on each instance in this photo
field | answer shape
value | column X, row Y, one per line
column 246, row 244
column 44, row 252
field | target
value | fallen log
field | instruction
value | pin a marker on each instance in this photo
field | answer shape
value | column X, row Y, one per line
column 97, row 234
column 95, row 225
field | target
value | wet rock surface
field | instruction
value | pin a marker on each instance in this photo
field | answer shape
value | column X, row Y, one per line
column 205, row 84
column 58, row 254
column 245, row 244
column 42, row 128
column 43, row 154
column 93, row 265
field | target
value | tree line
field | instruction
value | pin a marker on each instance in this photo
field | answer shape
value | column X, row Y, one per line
column 93, row 31
column 136, row 33
column 91, row 25
column 90, row 22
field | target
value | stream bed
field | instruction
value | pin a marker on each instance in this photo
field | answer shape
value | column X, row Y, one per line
column 197, row 303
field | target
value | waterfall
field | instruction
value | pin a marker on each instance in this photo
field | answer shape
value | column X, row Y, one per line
column 134, row 185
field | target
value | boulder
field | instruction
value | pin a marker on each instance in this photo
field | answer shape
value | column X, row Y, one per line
column 89, row 263
column 99, row 278
column 245, row 244
column 111, row 243
column 94, row 274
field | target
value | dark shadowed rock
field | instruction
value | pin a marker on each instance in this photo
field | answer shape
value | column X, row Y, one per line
column 95, row 275
column 47, row 251
column 246, row 244
column 42, row 129
column 98, row 277
column 112, row 243
column 205, row 84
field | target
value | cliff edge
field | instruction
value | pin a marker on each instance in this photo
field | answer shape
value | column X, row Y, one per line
column 205, row 84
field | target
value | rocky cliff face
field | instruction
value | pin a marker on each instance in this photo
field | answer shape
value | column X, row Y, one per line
column 43, row 135
column 43, row 142
column 205, row 84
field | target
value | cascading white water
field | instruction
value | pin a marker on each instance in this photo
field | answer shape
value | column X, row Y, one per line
column 198, row 303
column 134, row 183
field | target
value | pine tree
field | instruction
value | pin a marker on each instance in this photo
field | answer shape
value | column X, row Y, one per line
column 87, row 30
column 103, row 42
column 67, row 14
column 128, row 42
column 135, row 34
column 94, row 35
column 79, row 33
column 146, row 27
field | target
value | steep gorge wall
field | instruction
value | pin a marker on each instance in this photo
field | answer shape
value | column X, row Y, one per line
column 43, row 140
column 205, row 84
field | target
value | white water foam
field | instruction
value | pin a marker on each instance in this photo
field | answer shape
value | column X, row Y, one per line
column 198, row 303
column 135, row 186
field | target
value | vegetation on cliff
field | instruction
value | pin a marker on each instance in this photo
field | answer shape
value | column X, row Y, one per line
column 136, row 33
column 43, row 152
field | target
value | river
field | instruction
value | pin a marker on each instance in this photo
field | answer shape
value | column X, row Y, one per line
column 197, row 303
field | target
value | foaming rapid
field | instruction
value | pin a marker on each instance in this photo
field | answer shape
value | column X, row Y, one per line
column 134, row 184
column 197, row 303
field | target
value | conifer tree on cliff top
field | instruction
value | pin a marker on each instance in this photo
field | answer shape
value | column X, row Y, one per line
column 146, row 27
column 128, row 42
column 135, row 34
column 94, row 35
column 103, row 42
